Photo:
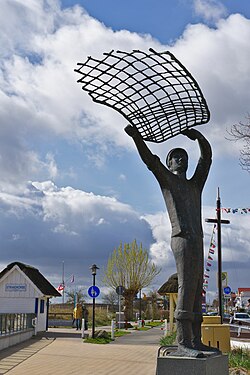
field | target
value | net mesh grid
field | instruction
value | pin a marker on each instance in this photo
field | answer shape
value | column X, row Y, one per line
column 153, row 91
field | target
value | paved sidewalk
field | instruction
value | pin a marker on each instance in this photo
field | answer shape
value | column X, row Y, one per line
column 67, row 355
column 62, row 352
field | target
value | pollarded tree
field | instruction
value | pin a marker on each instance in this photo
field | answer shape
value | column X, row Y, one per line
column 130, row 267
column 241, row 131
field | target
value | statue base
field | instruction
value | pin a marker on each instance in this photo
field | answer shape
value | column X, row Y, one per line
column 210, row 365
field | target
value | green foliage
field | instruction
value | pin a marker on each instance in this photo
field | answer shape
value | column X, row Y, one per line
column 168, row 340
column 101, row 318
column 119, row 333
column 129, row 266
column 105, row 340
column 239, row 358
column 154, row 324
column 145, row 328
column 98, row 340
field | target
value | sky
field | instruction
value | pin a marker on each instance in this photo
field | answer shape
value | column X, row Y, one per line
column 72, row 185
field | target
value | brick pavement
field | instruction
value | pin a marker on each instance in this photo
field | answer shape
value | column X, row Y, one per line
column 68, row 355
column 133, row 354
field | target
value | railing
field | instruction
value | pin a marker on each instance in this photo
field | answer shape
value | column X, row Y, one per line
column 12, row 323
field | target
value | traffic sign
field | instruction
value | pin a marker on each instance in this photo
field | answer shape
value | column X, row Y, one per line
column 227, row 290
column 93, row 291
column 120, row 290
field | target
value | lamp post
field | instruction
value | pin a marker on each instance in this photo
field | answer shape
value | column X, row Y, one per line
column 93, row 271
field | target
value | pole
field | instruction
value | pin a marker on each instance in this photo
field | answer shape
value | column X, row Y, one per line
column 63, row 280
column 93, row 312
column 219, row 221
column 140, row 305
column 218, row 210
column 119, row 299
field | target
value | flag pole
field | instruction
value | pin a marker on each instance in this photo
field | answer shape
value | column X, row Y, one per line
column 63, row 280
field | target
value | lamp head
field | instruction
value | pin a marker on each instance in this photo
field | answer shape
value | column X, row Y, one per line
column 94, row 268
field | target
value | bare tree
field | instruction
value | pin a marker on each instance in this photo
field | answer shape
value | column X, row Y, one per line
column 111, row 299
column 130, row 267
column 241, row 132
column 78, row 295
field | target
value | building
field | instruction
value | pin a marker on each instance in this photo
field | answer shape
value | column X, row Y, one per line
column 24, row 290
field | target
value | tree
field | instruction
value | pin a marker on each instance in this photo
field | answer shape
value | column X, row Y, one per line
column 78, row 295
column 111, row 299
column 131, row 268
column 241, row 132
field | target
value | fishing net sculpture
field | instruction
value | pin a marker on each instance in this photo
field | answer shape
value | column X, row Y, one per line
column 153, row 91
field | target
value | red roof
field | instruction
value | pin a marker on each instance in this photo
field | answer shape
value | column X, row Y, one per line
column 243, row 290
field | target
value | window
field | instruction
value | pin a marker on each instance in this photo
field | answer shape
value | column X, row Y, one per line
column 42, row 306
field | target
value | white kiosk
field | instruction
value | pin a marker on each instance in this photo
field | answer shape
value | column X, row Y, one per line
column 23, row 289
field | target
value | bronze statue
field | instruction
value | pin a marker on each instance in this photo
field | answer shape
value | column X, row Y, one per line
column 183, row 201
column 161, row 99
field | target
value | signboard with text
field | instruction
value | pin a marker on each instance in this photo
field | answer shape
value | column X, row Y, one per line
column 15, row 287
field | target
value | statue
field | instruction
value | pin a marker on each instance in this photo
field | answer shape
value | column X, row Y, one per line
column 183, row 201
column 160, row 99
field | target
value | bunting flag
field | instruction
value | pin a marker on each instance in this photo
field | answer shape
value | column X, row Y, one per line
column 72, row 279
column 241, row 211
column 208, row 265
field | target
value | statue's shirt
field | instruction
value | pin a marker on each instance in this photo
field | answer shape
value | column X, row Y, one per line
column 182, row 196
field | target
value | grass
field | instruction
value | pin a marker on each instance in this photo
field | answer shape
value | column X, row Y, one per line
column 154, row 324
column 121, row 333
column 98, row 340
column 168, row 340
column 145, row 328
column 105, row 340
column 239, row 358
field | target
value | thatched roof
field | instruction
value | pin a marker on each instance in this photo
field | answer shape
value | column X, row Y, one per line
column 35, row 276
column 170, row 286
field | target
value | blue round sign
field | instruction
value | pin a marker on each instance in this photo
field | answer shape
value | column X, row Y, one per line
column 93, row 291
column 227, row 290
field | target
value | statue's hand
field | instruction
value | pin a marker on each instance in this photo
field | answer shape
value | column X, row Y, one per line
column 192, row 134
column 131, row 130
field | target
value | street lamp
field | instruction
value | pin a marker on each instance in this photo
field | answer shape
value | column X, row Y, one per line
column 93, row 271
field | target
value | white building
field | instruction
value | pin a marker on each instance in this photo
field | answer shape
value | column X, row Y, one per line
column 23, row 289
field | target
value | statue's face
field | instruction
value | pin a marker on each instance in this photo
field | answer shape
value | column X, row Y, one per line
column 178, row 162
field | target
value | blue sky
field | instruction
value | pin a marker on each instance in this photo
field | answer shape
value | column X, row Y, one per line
column 72, row 184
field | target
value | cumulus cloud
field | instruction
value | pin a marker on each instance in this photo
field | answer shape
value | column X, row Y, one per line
column 40, row 94
column 66, row 224
column 210, row 10
column 41, row 105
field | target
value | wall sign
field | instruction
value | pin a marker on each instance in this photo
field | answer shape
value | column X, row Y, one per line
column 15, row 287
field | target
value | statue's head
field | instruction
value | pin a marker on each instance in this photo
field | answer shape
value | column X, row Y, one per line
column 177, row 160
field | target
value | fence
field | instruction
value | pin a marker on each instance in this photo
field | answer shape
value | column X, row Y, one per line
column 13, row 323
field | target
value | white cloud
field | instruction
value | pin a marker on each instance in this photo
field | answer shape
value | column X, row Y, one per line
column 40, row 101
column 69, row 221
column 39, row 90
column 210, row 10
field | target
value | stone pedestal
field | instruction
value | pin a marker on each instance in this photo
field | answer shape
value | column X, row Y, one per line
column 213, row 365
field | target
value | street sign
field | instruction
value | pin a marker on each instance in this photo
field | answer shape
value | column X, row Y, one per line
column 227, row 290
column 93, row 291
column 120, row 290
